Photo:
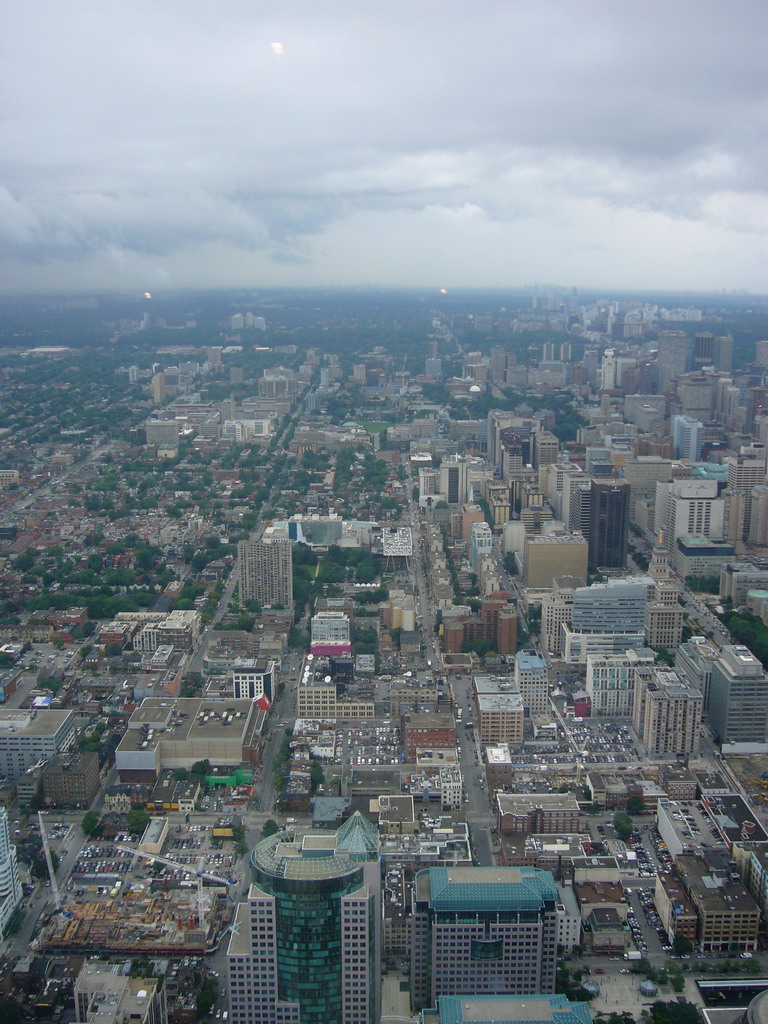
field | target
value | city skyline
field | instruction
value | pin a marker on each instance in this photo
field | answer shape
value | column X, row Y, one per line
column 270, row 146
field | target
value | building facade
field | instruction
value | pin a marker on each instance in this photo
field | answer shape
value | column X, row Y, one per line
column 10, row 887
column 29, row 736
column 104, row 995
column 611, row 681
column 738, row 698
column 307, row 947
column 71, row 780
column 488, row 931
column 532, row 679
column 608, row 523
column 266, row 571
column 668, row 714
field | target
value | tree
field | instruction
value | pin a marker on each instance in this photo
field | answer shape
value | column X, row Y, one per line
column 623, row 825
column 316, row 775
column 90, row 823
column 635, row 805
column 136, row 821
column 206, row 998
column 682, row 946
column 39, row 866
column 201, row 768
column 674, row 1013
column 10, row 1012
column 269, row 828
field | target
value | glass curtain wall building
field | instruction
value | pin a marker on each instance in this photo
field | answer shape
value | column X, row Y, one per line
column 306, row 942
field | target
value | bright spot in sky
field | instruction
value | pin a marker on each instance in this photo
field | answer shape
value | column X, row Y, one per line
column 443, row 291
column 147, row 295
column 278, row 49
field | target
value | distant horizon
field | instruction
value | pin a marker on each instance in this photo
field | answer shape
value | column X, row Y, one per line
column 436, row 291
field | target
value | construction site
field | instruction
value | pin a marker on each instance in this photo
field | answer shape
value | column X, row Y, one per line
column 752, row 772
column 158, row 923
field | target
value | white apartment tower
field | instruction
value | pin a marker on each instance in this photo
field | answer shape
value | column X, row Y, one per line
column 10, row 886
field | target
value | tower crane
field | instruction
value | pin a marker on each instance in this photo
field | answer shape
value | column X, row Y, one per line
column 57, row 901
column 188, row 868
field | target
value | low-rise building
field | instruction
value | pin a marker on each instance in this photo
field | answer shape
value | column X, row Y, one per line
column 430, row 731
column 553, row 813
column 30, row 736
column 500, row 710
column 727, row 916
column 104, row 995
column 71, row 780
column 676, row 911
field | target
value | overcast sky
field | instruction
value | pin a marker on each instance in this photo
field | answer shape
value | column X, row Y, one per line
column 188, row 143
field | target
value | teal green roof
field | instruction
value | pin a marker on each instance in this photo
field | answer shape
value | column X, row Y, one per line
column 488, row 889
column 358, row 837
column 710, row 471
column 506, row 1010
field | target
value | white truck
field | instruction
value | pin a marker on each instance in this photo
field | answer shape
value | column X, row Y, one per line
column 633, row 954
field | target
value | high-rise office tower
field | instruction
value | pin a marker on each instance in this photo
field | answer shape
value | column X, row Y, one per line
column 546, row 449
column 480, row 544
column 483, row 931
column 689, row 507
column 663, row 613
column 745, row 471
column 266, row 571
column 674, row 349
column 722, row 353
column 609, row 523
column 591, row 364
column 687, row 435
column 306, row 945
column 757, row 402
column 10, row 886
column 703, row 349
column 580, row 507
column 738, row 697
column 761, row 353
column 433, row 368
column 612, row 607
column 498, row 419
column 696, row 392
column 159, row 391
column 454, row 480
column 498, row 365
column 513, row 453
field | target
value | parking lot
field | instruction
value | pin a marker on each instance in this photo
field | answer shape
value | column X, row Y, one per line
column 370, row 745
column 604, row 741
column 108, row 867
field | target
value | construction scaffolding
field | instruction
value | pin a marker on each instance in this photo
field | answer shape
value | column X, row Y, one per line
column 160, row 923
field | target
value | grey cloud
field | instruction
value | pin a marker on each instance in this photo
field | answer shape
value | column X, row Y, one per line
column 160, row 130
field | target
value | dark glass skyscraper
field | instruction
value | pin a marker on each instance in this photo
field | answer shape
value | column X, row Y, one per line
column 609, row 523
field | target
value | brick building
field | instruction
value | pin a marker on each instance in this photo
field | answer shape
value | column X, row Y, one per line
column 71, row 780
column 430, row 731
